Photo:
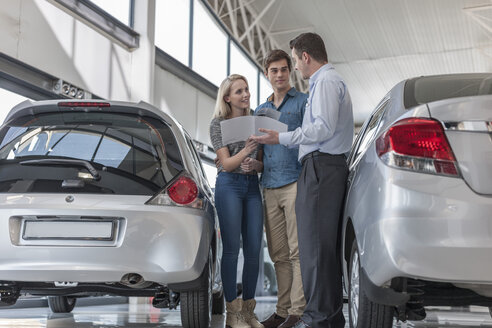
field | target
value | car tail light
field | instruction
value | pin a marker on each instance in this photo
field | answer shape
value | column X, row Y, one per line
column 182, row 192
column 83, row 104
column 417, row 144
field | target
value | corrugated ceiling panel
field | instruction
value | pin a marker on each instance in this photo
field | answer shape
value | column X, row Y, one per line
column 375, row 44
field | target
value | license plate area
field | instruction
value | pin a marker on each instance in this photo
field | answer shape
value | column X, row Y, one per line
column 66, row 231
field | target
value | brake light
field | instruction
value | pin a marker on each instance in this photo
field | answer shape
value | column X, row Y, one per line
column 83, row 104
column 183, row 191
column 417, row 144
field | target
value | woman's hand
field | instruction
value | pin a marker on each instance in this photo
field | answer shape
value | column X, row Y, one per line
column 230, row 163
column 250, row 146
column 250, row 164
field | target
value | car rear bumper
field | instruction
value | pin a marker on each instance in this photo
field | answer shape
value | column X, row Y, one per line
column 430, row 228
column 162, row 244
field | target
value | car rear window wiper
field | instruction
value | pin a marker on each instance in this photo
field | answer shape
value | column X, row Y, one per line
column 61, row 161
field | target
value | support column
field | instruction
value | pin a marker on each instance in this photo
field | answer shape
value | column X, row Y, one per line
column 143, row 58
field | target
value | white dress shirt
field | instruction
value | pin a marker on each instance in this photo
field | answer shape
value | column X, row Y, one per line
column 328, row 123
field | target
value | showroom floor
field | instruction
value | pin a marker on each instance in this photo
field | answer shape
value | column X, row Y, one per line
column 145, row 316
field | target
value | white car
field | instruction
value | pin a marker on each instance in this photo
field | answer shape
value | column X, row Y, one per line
column 103, row 197
column 417, row 223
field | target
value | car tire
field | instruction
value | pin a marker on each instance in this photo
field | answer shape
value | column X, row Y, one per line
column 196, row 305
column 362, row 312
column 218, row 303
column 269, row 279
column 61, row 304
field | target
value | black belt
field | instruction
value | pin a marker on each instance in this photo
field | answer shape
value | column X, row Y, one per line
column 317, row 153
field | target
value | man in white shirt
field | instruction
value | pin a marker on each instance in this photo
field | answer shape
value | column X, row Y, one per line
column 325, row 136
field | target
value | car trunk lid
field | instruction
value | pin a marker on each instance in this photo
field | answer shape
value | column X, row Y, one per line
column 468, row 127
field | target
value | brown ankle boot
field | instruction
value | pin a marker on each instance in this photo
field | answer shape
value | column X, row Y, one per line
column 249, row 314
column 234, row 316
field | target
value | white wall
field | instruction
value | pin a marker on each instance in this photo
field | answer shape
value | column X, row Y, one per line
column 191, row 107
column 40, row 34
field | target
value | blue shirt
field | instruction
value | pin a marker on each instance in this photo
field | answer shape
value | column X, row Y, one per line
column 280, row 164
column 328, row 124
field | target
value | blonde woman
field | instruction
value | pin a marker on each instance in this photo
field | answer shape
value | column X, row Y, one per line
column 238, row 203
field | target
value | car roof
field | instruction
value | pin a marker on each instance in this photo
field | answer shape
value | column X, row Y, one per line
column 141, row 108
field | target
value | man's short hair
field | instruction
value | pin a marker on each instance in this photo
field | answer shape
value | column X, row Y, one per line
column 276, row 55
column 312, row 44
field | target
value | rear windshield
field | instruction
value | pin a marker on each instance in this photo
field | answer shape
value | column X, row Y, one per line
column 423, row 90
column 88, row 153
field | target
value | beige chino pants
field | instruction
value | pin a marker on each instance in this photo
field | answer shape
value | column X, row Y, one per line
column 281, row 233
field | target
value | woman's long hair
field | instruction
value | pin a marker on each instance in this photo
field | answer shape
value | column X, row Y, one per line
column 222, row 108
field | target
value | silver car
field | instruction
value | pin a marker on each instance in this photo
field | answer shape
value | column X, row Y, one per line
column 101, row 197
column 417, row 222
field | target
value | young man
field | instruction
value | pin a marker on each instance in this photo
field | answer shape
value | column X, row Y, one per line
column 279, row 181
column 325, row 136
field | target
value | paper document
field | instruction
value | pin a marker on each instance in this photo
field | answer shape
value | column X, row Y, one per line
column 241, row 128
column 268, row 112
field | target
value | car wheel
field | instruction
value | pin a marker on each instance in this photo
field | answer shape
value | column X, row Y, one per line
column 267, row 284
column 218, row 303
column 61, row 304
column 196, row 305
column 362, row 312
column 269, row 279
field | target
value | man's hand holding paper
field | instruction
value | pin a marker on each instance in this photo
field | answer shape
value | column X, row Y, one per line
column 269, row 137
column 241, row 128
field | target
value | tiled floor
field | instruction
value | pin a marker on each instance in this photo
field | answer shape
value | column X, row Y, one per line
column 137, row 314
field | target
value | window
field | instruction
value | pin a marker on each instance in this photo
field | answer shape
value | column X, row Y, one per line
column 240, row 64
column 9, row 100
column 132, row 155
column 119, row 9
column 265, row 88
column 172, row 28
column 209, row 46
column 194, row 156
column 211, row 172
column 370, row 129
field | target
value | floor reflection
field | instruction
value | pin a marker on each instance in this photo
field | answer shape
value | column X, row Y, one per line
column 140, row 314
column 473, row 316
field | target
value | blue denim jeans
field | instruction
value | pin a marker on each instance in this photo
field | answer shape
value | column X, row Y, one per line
column 240, row 211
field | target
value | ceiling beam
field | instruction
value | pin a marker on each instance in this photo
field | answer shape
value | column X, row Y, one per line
column 247, row 26
column 232, row 17
column 257, row 19
column 275, row 16
column 237, row 16
column 293, row 30
column 482, row 15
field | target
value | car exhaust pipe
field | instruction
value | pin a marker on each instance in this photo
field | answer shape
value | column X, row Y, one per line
column 134, row 280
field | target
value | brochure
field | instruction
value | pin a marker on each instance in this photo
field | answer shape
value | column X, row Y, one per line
column 241, row 128
column 269, row 112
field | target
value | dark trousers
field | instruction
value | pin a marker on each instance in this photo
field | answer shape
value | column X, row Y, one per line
column 320, row 194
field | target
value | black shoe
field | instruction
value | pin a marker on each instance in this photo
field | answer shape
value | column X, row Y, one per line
column 290, row 321
column 273, row 321
column 301, row 324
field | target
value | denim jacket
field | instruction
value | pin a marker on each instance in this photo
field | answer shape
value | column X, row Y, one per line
column 280, row 164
